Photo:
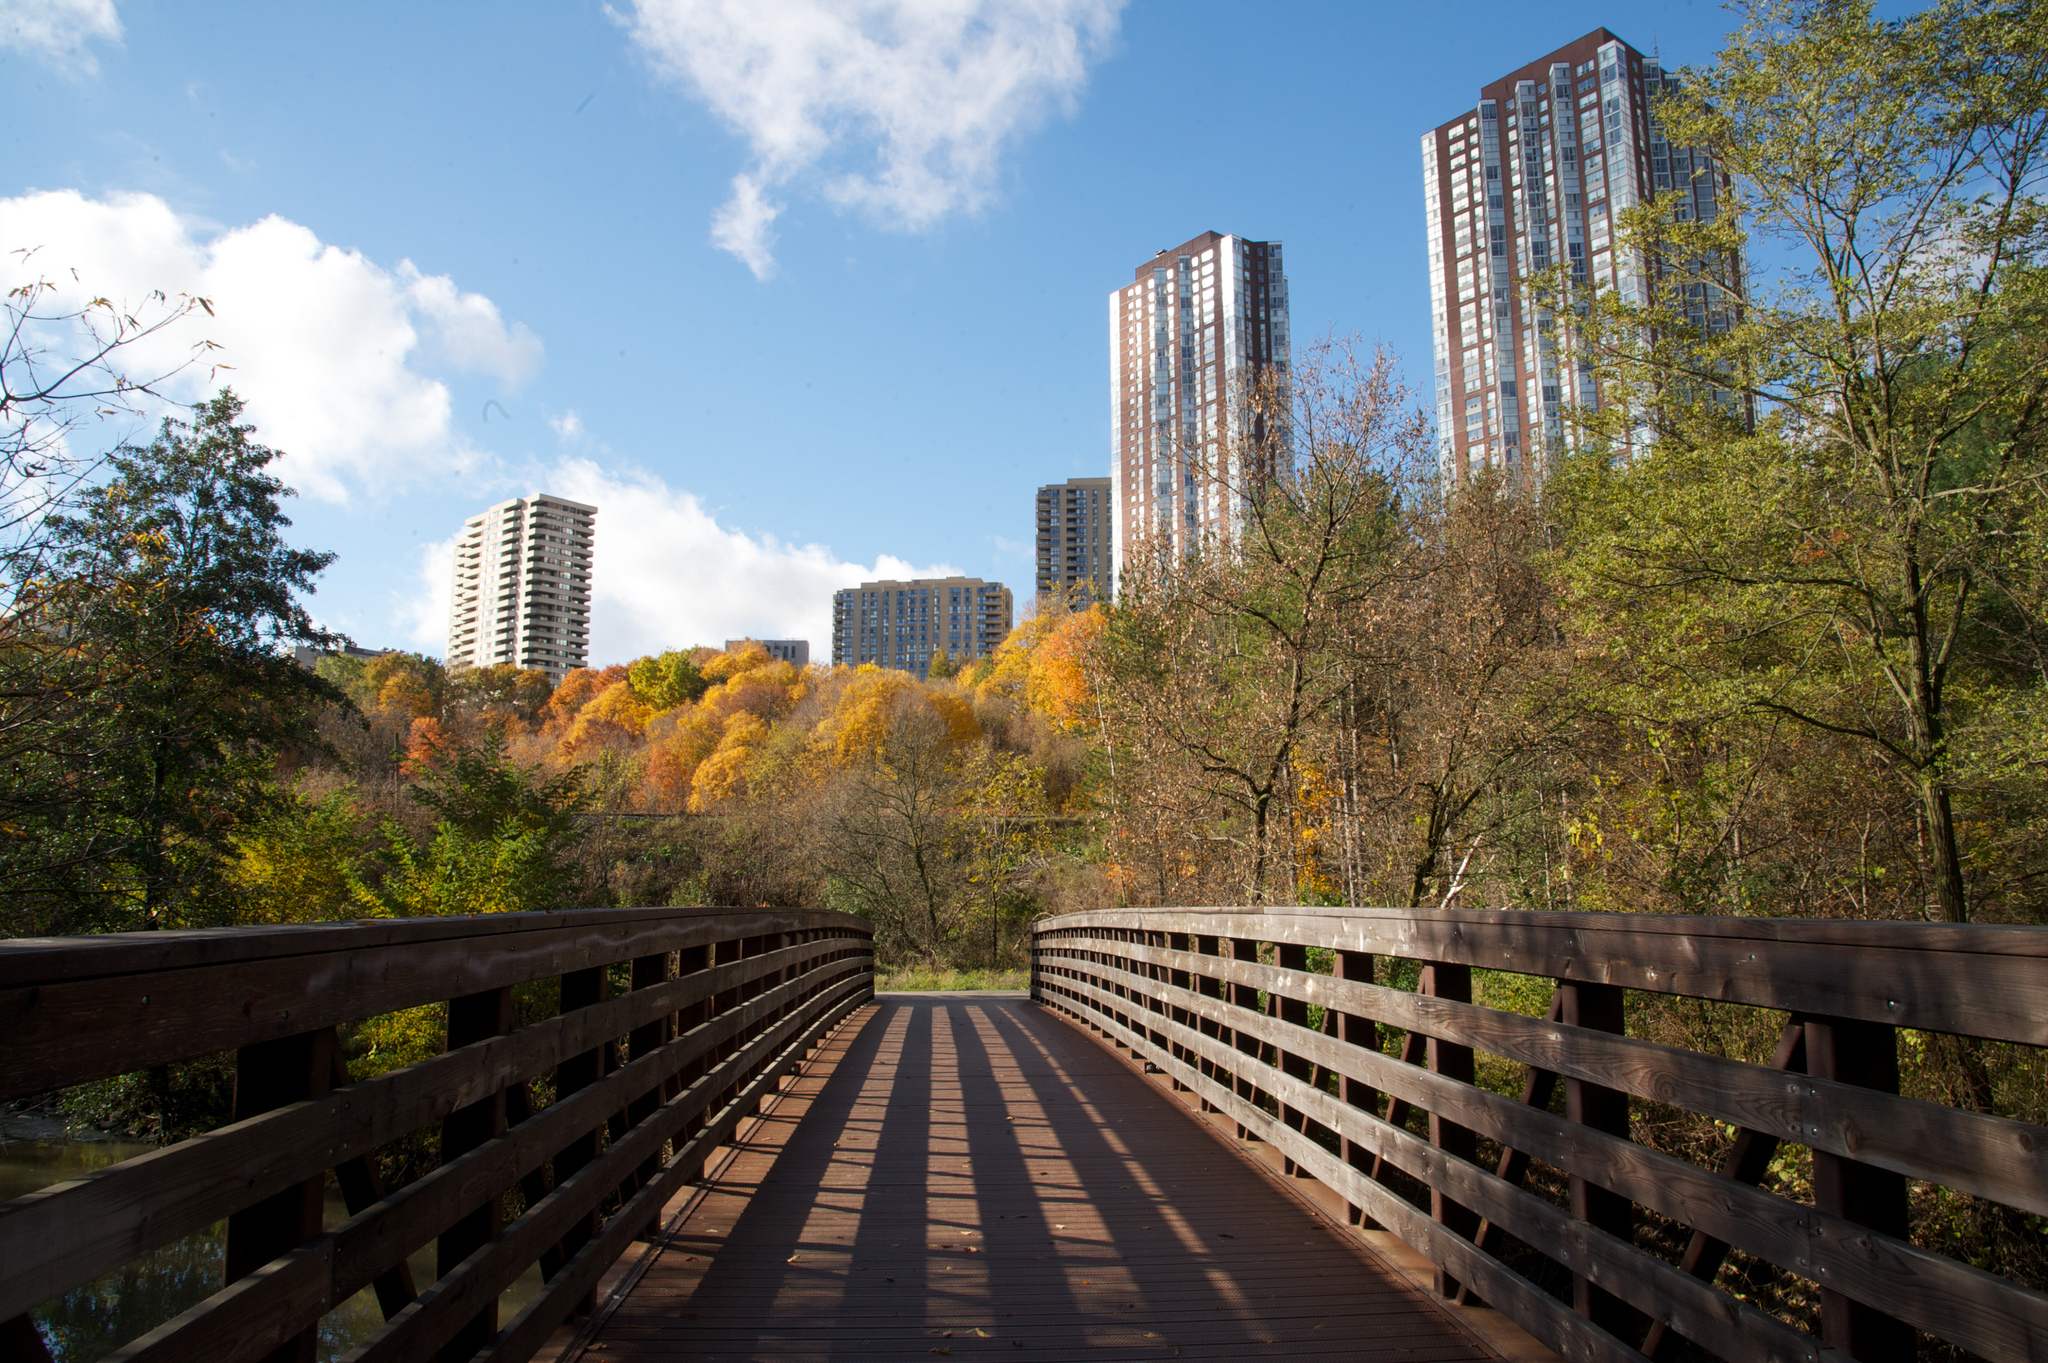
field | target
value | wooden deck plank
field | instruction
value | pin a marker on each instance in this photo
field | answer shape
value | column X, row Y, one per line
column 974, row 1177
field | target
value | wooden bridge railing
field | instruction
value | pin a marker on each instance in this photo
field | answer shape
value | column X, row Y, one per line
column 714, row 1008
column 1222, row 1001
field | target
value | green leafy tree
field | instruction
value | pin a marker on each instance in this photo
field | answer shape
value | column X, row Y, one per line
column 502, row 841
column 667, row 680
column 1837, row 520
column 171, row 589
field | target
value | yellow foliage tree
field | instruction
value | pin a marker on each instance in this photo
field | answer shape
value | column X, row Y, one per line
column 616, row 714
column 722, row 777
column 1056, row 679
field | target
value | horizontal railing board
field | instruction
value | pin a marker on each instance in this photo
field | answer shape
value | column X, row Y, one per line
column 83, row 1029
column 49, row 960
column 1691, row 1307
column 73, row 1232
column 1999, row 939
column 1981, row 1312
column 250, row 1317
column 1974, row 1152
column 1989, row 982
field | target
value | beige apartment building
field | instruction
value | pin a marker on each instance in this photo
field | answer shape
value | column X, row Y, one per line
column 522, row 586
column 902, row 624
column 1196, row 329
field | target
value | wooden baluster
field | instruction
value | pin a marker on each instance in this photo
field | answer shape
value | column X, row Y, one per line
column 1452, row 1062
column 646, row 1039
column 730, row 952
column 1179, row 941
column 274, row 1074
column 1597, row 1007
column 1293, row 1010
column 361, row 1187
column 1365, row 1034
column 1209, row 987
column 690, row 961
column 1864, row 1054
column 473, row 1017
column 580, row 989
column 1245, row 996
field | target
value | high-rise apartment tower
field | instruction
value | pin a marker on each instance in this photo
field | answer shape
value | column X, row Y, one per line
column 1189, row 336
column 522, row 586
column 1074, row 539
column 1530, row 180
column 902, row 624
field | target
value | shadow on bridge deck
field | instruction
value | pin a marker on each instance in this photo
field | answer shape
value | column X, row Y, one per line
column 970, row 1176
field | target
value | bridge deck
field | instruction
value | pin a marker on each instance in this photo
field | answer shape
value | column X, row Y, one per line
column 975, row 1177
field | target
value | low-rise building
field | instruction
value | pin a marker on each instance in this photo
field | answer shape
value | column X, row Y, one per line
column 902, row 624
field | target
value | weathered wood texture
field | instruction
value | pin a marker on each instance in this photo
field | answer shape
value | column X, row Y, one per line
column 646, row 1085
column 975, row 1179
column 1219, row 1001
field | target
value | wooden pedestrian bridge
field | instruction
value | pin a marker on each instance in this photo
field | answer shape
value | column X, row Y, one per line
column 676, row 1134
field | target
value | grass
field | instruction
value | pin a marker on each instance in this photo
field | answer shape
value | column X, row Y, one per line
column 926, row 978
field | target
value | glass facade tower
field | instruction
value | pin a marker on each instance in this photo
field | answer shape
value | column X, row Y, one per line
column 1531, row 180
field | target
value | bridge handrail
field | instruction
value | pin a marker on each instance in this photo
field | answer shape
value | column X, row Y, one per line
column 721, row 1004
column 1221, row 1001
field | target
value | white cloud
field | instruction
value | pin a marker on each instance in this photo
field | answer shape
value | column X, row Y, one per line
column 668, row 574
column 930, row 90
column 321, row 342
column 468, row 329
column 58, row 30
column 423, row 616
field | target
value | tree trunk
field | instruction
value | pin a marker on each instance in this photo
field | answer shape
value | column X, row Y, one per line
column 1949, row 895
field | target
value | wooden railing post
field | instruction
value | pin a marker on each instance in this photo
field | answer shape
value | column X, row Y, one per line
column 1245, row 996
column 1444, row 981
column 1288, row 1009
column 1597, row 1007
column 580, row 989
column 273, row 1074
column 1208, row 986
column 1864, row 1054
column 646, row 1039
column 473, row 1017
column 688, row 962
column 1363, row 1033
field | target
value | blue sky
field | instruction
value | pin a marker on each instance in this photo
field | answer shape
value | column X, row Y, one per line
column 460, row 253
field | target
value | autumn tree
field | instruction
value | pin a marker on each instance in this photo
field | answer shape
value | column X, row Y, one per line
column 1446, row 744
column 1217, row 665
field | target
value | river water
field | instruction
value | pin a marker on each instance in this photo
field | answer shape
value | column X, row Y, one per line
column 92, row 1321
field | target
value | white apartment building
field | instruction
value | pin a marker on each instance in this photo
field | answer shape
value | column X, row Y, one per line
column 1190, row 334
column 522, row 586
column 1532, row 179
